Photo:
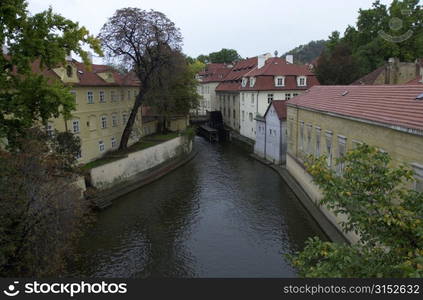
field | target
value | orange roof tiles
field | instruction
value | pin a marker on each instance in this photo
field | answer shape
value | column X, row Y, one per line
column 394, row 105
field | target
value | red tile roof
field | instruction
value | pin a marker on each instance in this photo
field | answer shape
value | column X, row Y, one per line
column 386, row 104
column 371, row 77
column 214, row 73
column 90, row 77
column 276, row 66
column 267, row 83
column 280, row 108
column 265, row 75
column 232, row 81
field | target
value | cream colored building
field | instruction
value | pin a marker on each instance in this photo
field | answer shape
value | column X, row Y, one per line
column 104, row 99
column 209, row 79
column 331, row 120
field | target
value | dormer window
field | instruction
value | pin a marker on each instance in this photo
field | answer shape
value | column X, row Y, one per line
column 252, row 81
column 280, row 81
column 302, row 81
column 244, row 82
column 69, row 71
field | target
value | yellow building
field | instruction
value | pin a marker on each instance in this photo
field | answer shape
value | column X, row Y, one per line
column 331, row 120
column 104, row 99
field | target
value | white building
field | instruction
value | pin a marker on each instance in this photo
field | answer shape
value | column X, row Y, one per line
column 209, row 79
column 271, row 135
column 272, row 79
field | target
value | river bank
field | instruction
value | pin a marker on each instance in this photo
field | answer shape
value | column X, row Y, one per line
column 222, row 214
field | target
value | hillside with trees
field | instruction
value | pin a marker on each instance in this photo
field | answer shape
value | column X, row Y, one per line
column 307, row 53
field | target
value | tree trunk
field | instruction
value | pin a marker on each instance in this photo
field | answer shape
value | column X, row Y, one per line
column 130, row 124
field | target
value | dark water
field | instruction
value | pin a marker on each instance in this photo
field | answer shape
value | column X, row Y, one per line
column 221, row 215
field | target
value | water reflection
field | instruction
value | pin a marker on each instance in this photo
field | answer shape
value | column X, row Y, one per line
column 221, row 215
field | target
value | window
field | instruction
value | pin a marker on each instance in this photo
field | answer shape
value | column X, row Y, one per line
column 114, row 120
column 269, row 98
column 318, row 132
column 113, row 141
column 124, row 119
column 252, row 81
column 302, row 81
column 243, row 116
column 329, row 148
column 234, row 114
column 50, row 129
column 129, row 94
column 252, row 98
column 122, row 95
column 418, row 175
column 342, row 149
column 309, row 129
column 294, row 94
column 75, row 126
column 244, row 82
column 250, row 115
column 224, row 111
column 101, row 146
column 301, row 135
column 103, row 122
column 90, row 97
column 113, row 96
column 233, row 101
column 280, row 81
column 102, row 97
column 242, row 97
column 287, row 96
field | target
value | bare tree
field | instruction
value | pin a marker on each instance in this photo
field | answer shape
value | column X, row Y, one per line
column 140, row 39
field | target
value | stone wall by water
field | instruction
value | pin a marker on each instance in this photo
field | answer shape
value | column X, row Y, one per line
column 113, row 173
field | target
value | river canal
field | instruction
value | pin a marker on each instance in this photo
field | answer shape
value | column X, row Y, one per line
column 221, row 215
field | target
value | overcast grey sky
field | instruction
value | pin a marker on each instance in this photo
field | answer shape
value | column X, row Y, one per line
column 251, row 27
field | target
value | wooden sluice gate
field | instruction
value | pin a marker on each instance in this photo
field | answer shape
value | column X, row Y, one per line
column 214, row 130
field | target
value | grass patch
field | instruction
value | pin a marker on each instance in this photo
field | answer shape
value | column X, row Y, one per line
column 146, row 142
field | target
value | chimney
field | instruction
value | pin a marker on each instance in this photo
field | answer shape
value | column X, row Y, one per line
column 261, row 60
column 289, row 59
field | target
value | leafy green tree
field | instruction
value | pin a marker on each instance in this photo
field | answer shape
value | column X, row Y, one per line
column 379, row 208
column 35, row 42
column 42, row 212
column 203, row 58
column 381, row 32
column 341, row 67
column 224, row 56
column 145, row 41
column 173, row 90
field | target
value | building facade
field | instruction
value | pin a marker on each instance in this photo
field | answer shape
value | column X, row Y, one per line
column 271, row 139
column 103, row 99
column 330, row 120
column 272, row 79
column 393, row 72
column 209, row 79
column 228, row 92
